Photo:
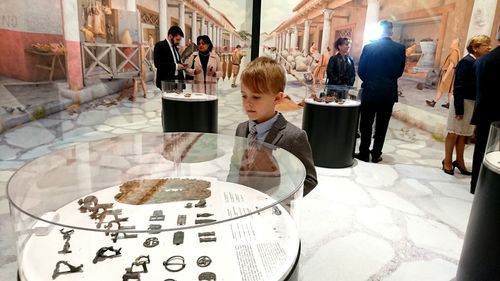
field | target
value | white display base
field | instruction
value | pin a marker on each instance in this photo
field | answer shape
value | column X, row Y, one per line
column 492, row 160
column 347, row 103
column 192, row 97
column 263, row 246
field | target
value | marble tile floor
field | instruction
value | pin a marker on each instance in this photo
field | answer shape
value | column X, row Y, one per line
column 402, row 219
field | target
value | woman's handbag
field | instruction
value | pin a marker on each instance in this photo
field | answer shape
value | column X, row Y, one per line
column 191, row 77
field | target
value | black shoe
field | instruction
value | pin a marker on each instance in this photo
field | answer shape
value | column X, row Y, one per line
column 446, row 105
column 449, row 172
column 430, row 103
column 376, row 159
column 362, row 157
column 463, row 171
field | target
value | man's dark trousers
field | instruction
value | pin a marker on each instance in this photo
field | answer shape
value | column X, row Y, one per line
column 382, row 111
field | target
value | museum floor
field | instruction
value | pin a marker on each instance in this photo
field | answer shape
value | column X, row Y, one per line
column 402, row 219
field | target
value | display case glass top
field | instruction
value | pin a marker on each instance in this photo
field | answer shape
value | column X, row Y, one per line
column 146, row 176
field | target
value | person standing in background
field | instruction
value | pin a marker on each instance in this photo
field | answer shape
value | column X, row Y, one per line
column 340, row 69
column 167, row 58
column 462, row 106
column 236, row 61
column 380, row 65
column 487, row 110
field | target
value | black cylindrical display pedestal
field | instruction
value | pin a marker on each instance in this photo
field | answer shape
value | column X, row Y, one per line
column 331, row 129
column 480, row 259
column 189, row 116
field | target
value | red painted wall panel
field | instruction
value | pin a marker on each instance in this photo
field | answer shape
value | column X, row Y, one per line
column 16, row 63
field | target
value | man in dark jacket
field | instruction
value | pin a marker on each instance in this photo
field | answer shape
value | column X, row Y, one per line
column 167, row 58
column 381, row 64
column 486, row 109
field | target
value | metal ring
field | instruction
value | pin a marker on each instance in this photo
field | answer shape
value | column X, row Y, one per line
column 204, row 261
column 170, row 262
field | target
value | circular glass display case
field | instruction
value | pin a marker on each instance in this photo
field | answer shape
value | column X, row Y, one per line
column 331, row 114
column 176, row 206
column 189, row 106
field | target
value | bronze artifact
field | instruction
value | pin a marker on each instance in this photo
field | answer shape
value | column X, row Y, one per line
column 174, row 264
column 206, row 276
column 141, row 261
column 154, row 228
column 66, row 237
column 209, row 239
column 72, row 269
column 157, row 216
column 203, row 261
column 100, row 255
column 203, row 234
column 204, row 215
column 201, row 204
column 151, row 242
column 178, row 238
column 189, row 205
column 181, row 219
column 200, row 221
column 87, row 204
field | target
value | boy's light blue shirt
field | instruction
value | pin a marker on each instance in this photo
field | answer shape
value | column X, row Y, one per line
column 264, row 127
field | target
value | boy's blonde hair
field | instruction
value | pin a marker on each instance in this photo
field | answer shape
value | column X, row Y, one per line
column 477, row 41
column 264, row 76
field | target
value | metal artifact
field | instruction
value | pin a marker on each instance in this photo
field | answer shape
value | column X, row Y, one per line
column 141, row 261
column 181, row 219
column 95, row 211
column 151, row 242
column 66, row 237
column 204, row 215
column 206, row 276
column 157, row 216
column 208, row 239
column 201, row 204
column 178, row 238
column 154, row 228
column 202, row 234
column 72, row 269
column 65, row 249
column 102, row 216
column 100, row 255
column 87, row 204
column 189, row 205
column 129, row 275
column 174, row 264
column 276, row 211
column 201, row 221
column 203, row 261
column 169, row 279
column 115, row 235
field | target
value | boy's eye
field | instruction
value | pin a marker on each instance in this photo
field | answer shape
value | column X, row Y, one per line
column 256, row 97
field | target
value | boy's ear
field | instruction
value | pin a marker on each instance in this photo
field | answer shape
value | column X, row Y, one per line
column 278, row 97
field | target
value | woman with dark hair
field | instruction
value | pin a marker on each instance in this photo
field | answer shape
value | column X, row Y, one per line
column 204, row 65
column 340, row 69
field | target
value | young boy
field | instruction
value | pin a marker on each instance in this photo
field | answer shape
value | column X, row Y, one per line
column 262, row 85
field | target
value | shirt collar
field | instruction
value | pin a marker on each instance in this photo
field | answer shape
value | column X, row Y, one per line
column 264, row 127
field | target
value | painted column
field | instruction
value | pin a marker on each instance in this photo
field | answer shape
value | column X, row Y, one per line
column 211, row 33
column 327, row 27
column 163, row 19
column 294, row 41
column 481, row 20
column 287, row 39
column 131, row 6
column 371, row 21
column 182, row 19
column 194, row 27
column 71, row 31
column 215, row 40
column 231, row 41
column 307, row 31
column 203, row 26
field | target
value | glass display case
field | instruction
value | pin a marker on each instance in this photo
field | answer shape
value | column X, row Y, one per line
column 481, row 250
column 189, row 106
column 176, row 206
column 330, row 119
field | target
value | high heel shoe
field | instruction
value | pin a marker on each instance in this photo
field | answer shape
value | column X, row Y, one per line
column 449, row 172
column 430, row 103
column 463, row 171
